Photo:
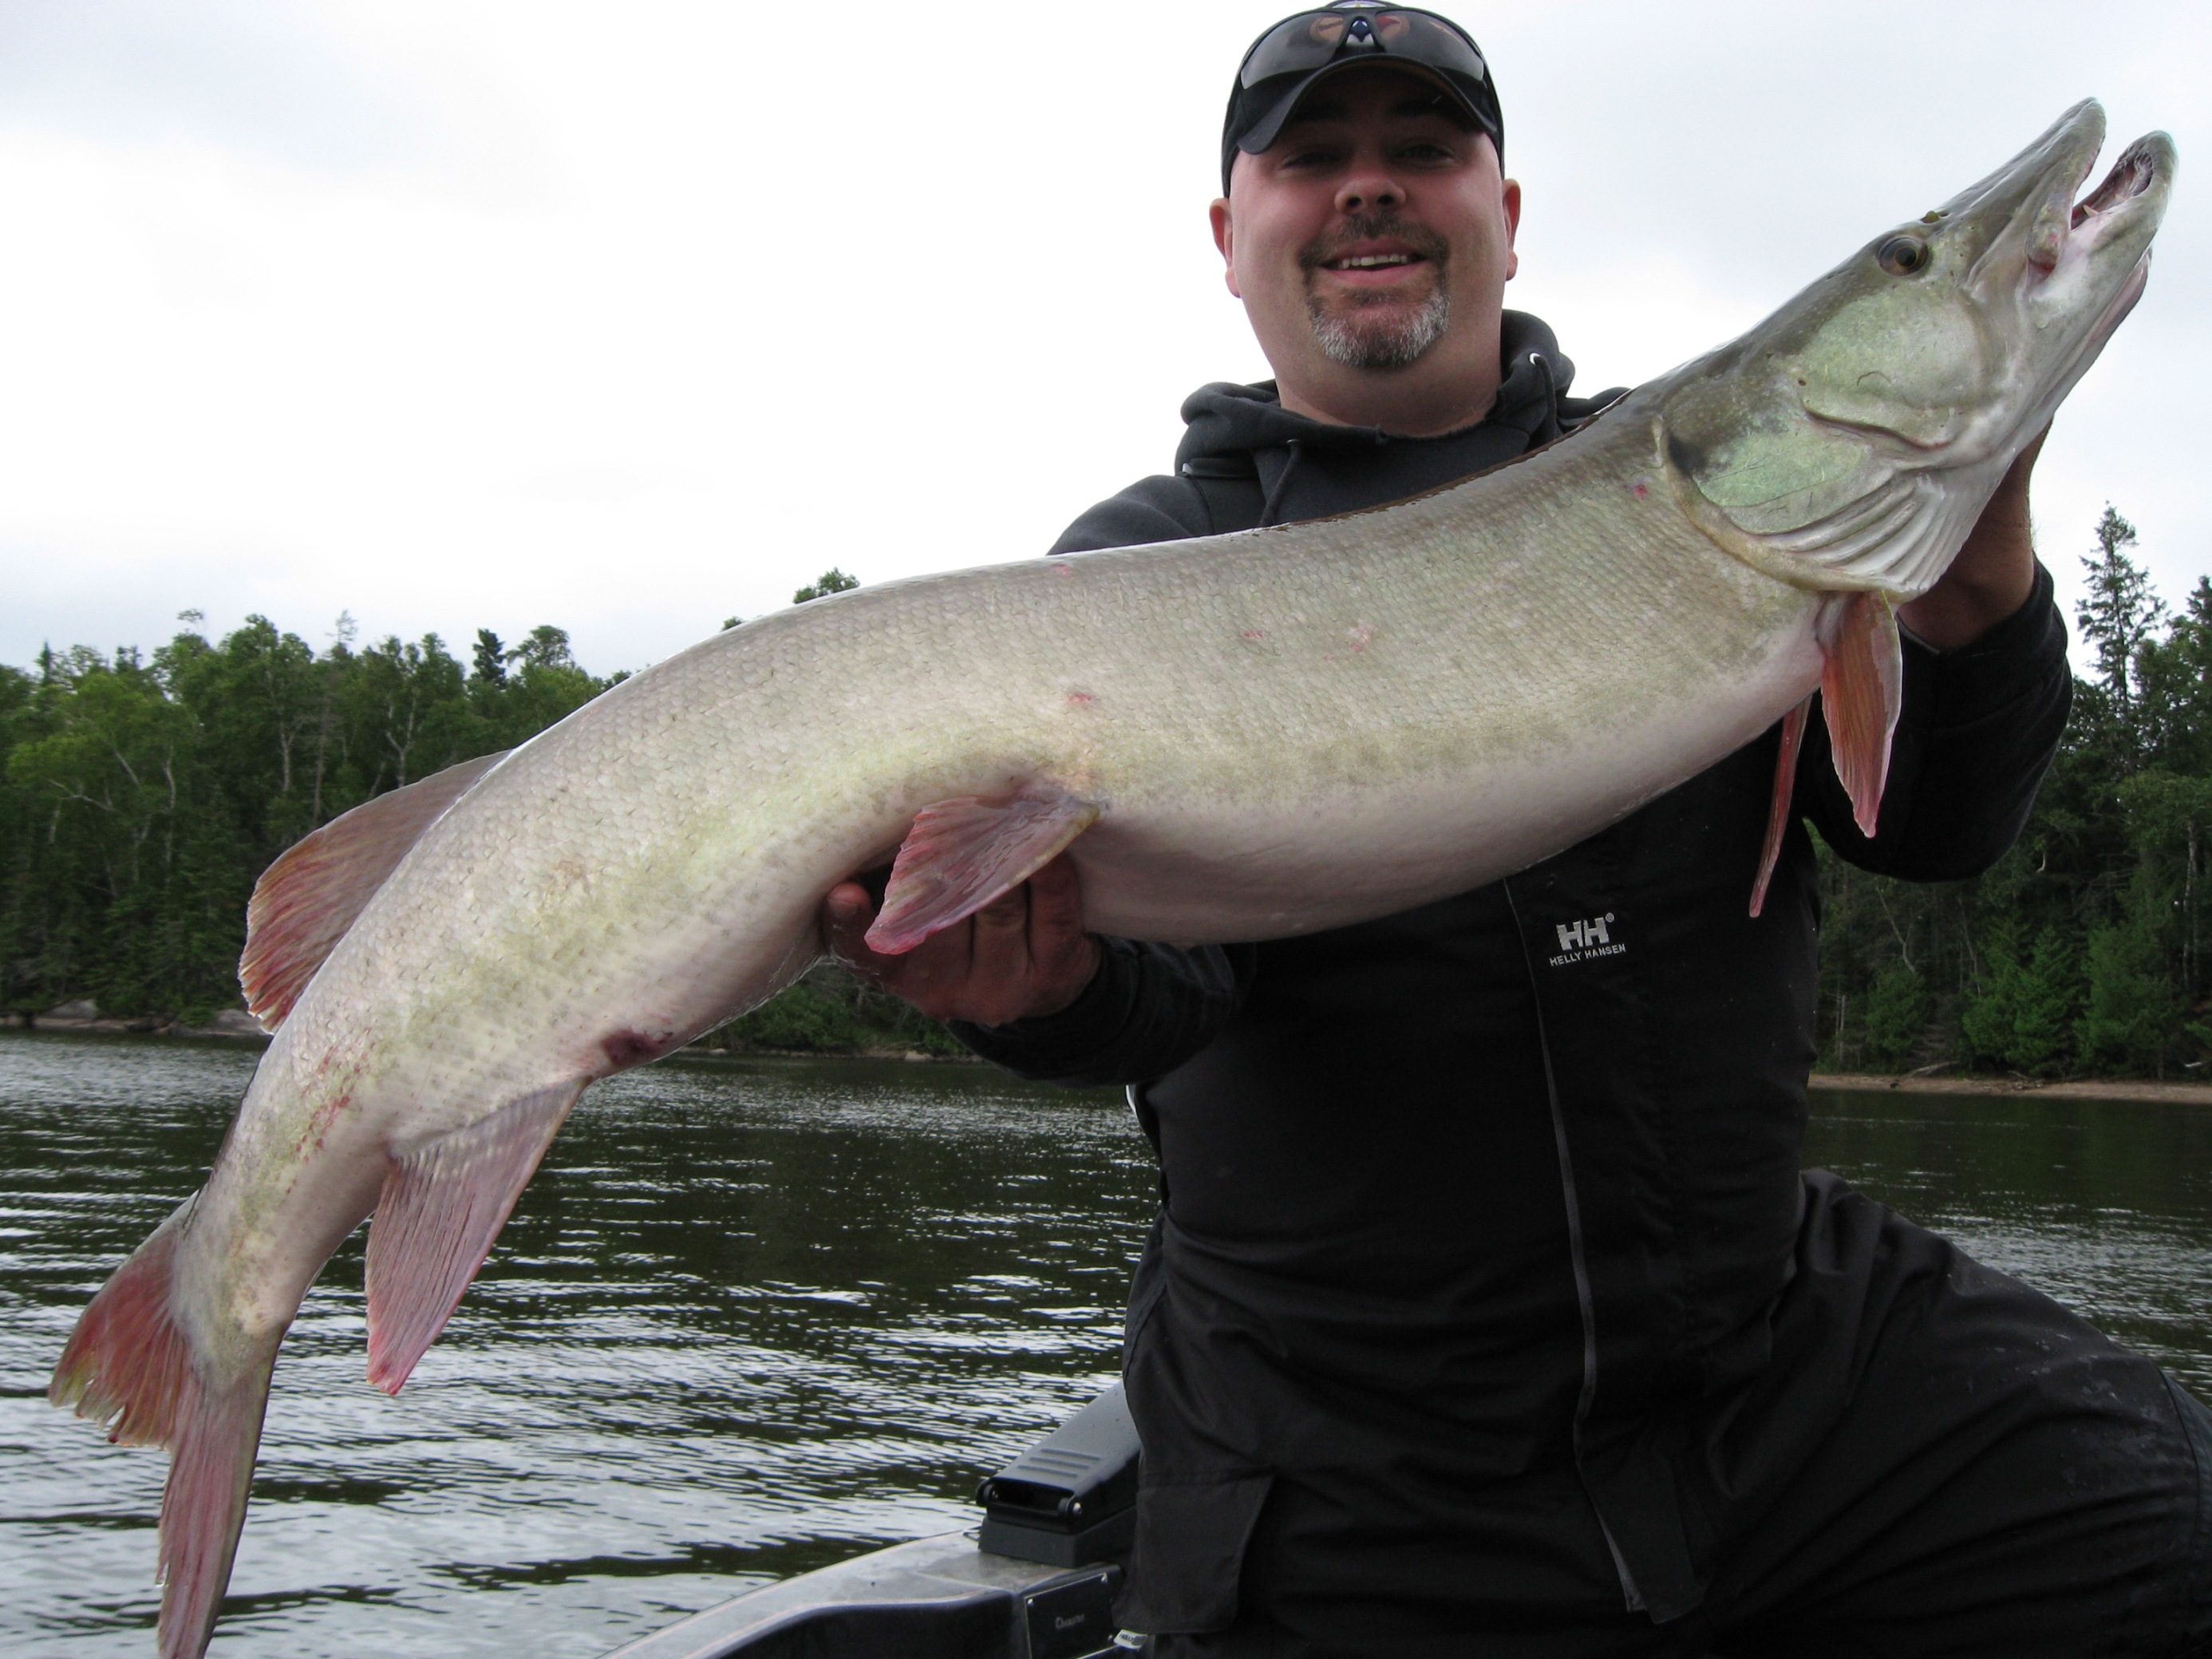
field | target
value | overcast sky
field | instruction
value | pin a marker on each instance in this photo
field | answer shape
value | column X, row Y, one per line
column 628, row 318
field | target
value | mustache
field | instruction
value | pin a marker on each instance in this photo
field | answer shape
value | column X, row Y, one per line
column 1371, row 227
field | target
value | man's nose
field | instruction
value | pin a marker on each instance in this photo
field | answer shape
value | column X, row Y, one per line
column 1369, row 189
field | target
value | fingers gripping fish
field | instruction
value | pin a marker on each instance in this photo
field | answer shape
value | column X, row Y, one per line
column 1237, row 738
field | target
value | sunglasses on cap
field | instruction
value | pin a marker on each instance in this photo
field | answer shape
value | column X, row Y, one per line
column 1290, row 58
column 1312, row 40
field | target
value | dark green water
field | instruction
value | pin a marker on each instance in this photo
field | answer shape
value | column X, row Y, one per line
column 754, row 1318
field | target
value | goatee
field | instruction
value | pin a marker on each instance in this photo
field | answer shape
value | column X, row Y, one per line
column 1375, row 332
column 1363, row 340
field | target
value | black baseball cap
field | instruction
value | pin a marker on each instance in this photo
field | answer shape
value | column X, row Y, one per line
column 1284, row 64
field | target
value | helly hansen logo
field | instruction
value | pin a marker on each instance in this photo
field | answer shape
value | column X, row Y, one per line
column 1590, row 937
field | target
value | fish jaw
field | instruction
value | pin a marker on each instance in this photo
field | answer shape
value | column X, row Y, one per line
column 1850, row 440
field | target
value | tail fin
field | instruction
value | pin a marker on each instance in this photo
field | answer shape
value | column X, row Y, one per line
column 131, row 1367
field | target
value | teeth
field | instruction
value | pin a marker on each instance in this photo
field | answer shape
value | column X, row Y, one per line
column 1369, row 261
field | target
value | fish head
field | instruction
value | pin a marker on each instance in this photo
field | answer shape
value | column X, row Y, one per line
column 1850, row 440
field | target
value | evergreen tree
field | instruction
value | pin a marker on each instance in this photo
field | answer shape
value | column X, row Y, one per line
column 1897, row 1010
column 2118, row 614
column 490, row 662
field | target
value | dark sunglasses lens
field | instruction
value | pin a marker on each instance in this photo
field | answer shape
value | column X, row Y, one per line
column 1294, row 46
column 1304, row 44
column 1424, row 39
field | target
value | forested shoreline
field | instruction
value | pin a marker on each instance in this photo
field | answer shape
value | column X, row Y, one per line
column 141, row 795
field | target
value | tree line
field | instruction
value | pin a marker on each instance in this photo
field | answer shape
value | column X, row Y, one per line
column 141, row 795
column 2080, row 953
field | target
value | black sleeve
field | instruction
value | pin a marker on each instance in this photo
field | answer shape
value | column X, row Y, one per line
column 1978, row 729
column 1155, row 509
column 1148, row 1008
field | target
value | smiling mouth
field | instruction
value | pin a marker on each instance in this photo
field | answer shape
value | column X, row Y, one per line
column 1367, row 249
column 1372, row 261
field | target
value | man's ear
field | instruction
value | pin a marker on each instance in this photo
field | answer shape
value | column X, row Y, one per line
column 1225, row 238
column 1509, row 196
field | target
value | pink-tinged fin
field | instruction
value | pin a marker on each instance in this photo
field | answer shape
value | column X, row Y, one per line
column 306, row 900
column 962, row 853
column 1777, row 815
column 1862, row 686
column 204, row 1504
column 130, row 1366
column 442, row 1205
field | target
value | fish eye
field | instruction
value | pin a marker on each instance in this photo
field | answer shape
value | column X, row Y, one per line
column 1902, row 256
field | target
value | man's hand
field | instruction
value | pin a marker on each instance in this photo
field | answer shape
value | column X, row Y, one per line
column 1994, row 573
column 1021, row 956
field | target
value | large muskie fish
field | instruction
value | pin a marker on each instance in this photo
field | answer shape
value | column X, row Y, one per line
column 1239, row 738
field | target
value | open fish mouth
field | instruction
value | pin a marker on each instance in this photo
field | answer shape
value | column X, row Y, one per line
column 2091, row 257
column 2030, row 219
column 2105, row 212
column 2127, row 202
column 2131, row 175
column 2134, row 186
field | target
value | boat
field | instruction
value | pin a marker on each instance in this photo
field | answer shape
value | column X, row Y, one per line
column 1035, row 1578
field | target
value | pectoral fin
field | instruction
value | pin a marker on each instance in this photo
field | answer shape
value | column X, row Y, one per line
column 442, row 1205
column 962, row 853
column 1785, row 785
column 306, row 900
column 1862, row 685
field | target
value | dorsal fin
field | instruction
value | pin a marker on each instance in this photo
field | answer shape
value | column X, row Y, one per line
column 306, row 900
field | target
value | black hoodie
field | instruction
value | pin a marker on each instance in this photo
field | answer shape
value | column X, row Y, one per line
column 1473, row 1217
column 1246, row 460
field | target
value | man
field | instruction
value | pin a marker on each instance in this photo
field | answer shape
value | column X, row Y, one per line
column 1488, row 1312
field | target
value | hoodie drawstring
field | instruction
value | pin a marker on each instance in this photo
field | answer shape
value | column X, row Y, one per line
column 1297, row 449
column 1548, row 424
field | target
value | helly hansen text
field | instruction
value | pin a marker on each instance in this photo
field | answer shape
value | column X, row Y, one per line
column 1592, row 935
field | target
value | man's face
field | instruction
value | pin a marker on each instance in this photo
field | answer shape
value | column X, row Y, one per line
column 1375, row 233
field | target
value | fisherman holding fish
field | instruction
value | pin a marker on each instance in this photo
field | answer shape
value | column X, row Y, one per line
column 1487, row 1310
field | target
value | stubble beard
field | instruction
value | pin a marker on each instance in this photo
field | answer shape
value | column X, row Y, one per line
column 1376, row 332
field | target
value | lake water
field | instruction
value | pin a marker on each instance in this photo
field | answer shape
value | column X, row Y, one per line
column 755, row 1317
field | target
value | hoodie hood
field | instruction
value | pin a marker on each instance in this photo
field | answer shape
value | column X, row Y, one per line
column 1228, row 424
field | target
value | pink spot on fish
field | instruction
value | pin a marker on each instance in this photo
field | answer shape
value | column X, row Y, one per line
column 1063, row 570
column 1080, row 697
column 633, row 1047
column 1360, row 636
column 1639, row 489
column 325, row 1116
column 1256, row 634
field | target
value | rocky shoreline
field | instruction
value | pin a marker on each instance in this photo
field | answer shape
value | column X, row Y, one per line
column 87, row 1016
column 2139, row 1089
column 237, row 1025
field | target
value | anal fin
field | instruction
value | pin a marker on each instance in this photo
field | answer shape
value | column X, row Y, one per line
column 442, row 1208
column 1862, row 686
column 1785, row 785
column 962, row 853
